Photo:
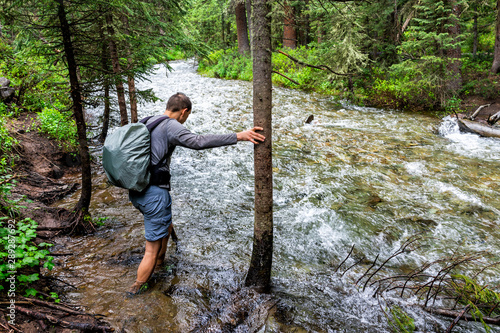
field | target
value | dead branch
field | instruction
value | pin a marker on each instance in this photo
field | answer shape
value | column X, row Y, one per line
column 51, row 305
column 401, row 250
column 374, row 263
column 494, row 118
column 474, row 115
column 286, row 77
column 321, row 67
column 455, row 314
column 343, row 261
column 63, row 323
column 8, row 180
column 457, row 319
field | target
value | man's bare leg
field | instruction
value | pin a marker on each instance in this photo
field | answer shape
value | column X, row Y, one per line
column 163, row 249
column 147, row 265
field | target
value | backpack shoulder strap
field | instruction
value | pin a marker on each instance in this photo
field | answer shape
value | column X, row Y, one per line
column 153, row 124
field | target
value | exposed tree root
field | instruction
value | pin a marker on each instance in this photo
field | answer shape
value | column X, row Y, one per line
column 63, row 323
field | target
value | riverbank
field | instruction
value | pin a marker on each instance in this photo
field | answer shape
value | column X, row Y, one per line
column 42, row 175
column 379, row 87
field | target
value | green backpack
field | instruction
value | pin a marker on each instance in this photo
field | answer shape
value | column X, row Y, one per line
column 126, row 156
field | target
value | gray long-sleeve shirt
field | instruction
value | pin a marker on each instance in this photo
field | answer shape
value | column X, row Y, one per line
column 170, row 133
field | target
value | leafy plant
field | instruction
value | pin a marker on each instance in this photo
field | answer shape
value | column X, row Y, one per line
column 58, row 125
column 18, row 251
column 400, row 321
column 481, row 300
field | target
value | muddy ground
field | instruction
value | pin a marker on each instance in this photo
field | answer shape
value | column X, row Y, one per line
column 41, row 174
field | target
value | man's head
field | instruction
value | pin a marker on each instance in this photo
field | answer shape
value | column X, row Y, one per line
column 179, row 106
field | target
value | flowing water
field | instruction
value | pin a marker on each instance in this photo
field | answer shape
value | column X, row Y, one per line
column 354, row 176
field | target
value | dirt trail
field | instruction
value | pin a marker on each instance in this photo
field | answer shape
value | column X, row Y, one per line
column 44, row 173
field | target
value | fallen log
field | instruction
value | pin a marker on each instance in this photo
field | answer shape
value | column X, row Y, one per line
column 494, row 118
column 456, row 314
column 479, row 128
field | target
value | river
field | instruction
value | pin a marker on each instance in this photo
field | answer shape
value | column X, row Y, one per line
column 354, row 176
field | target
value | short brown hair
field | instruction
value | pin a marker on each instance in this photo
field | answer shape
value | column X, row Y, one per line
column 178, row 102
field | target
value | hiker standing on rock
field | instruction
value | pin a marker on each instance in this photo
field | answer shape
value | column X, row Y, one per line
column 155, row 202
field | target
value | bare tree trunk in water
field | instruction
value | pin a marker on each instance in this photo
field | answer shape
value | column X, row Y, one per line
column 241, row 28
column 120, row 91
column 82, row 207
column 289, row 31
column 496, row 58
column 259, row 272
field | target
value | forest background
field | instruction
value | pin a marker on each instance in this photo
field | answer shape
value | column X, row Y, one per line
column 64, row 56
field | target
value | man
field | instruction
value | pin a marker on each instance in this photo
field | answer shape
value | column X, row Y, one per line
column 155, row 202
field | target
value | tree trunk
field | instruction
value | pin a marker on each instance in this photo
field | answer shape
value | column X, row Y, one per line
column 76, row 97
column 132, row 96
column 106, row 85
column 305, row 27
column 241, row 28
column 289, row 31
column 496, row 58
column 259, row 272
column 105, row 117
column 133, row 99
column 120, row 91
column 454, row 54
column 476, row 37
column 248, row 5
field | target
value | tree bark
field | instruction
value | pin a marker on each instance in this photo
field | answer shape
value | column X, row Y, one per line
column 305, row 27
column 242, row 28
column 132, row 95
column 496, row 58
column 259, row 272
column 76, row 96
column 248, row 5
column 289, row 30
column 476, row 37
column 117, row 71
column 106, row 86
column 454, row 54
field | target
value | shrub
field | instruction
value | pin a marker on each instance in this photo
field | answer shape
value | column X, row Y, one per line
column 59, row 125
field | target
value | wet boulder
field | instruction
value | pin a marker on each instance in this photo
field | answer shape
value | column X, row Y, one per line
column 6, row 91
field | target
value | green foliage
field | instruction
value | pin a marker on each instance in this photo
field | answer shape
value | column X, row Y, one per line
column 227, row 64
column 18, row 252
column 59, row 125
column 7, row 142
column 37, row 82
column 400, row 321
column 481, row 300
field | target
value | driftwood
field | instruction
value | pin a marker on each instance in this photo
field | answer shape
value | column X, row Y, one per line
column 456, row 314
column 494, row 118
column 478, row 128
column 474, row 115
column 63, row 323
